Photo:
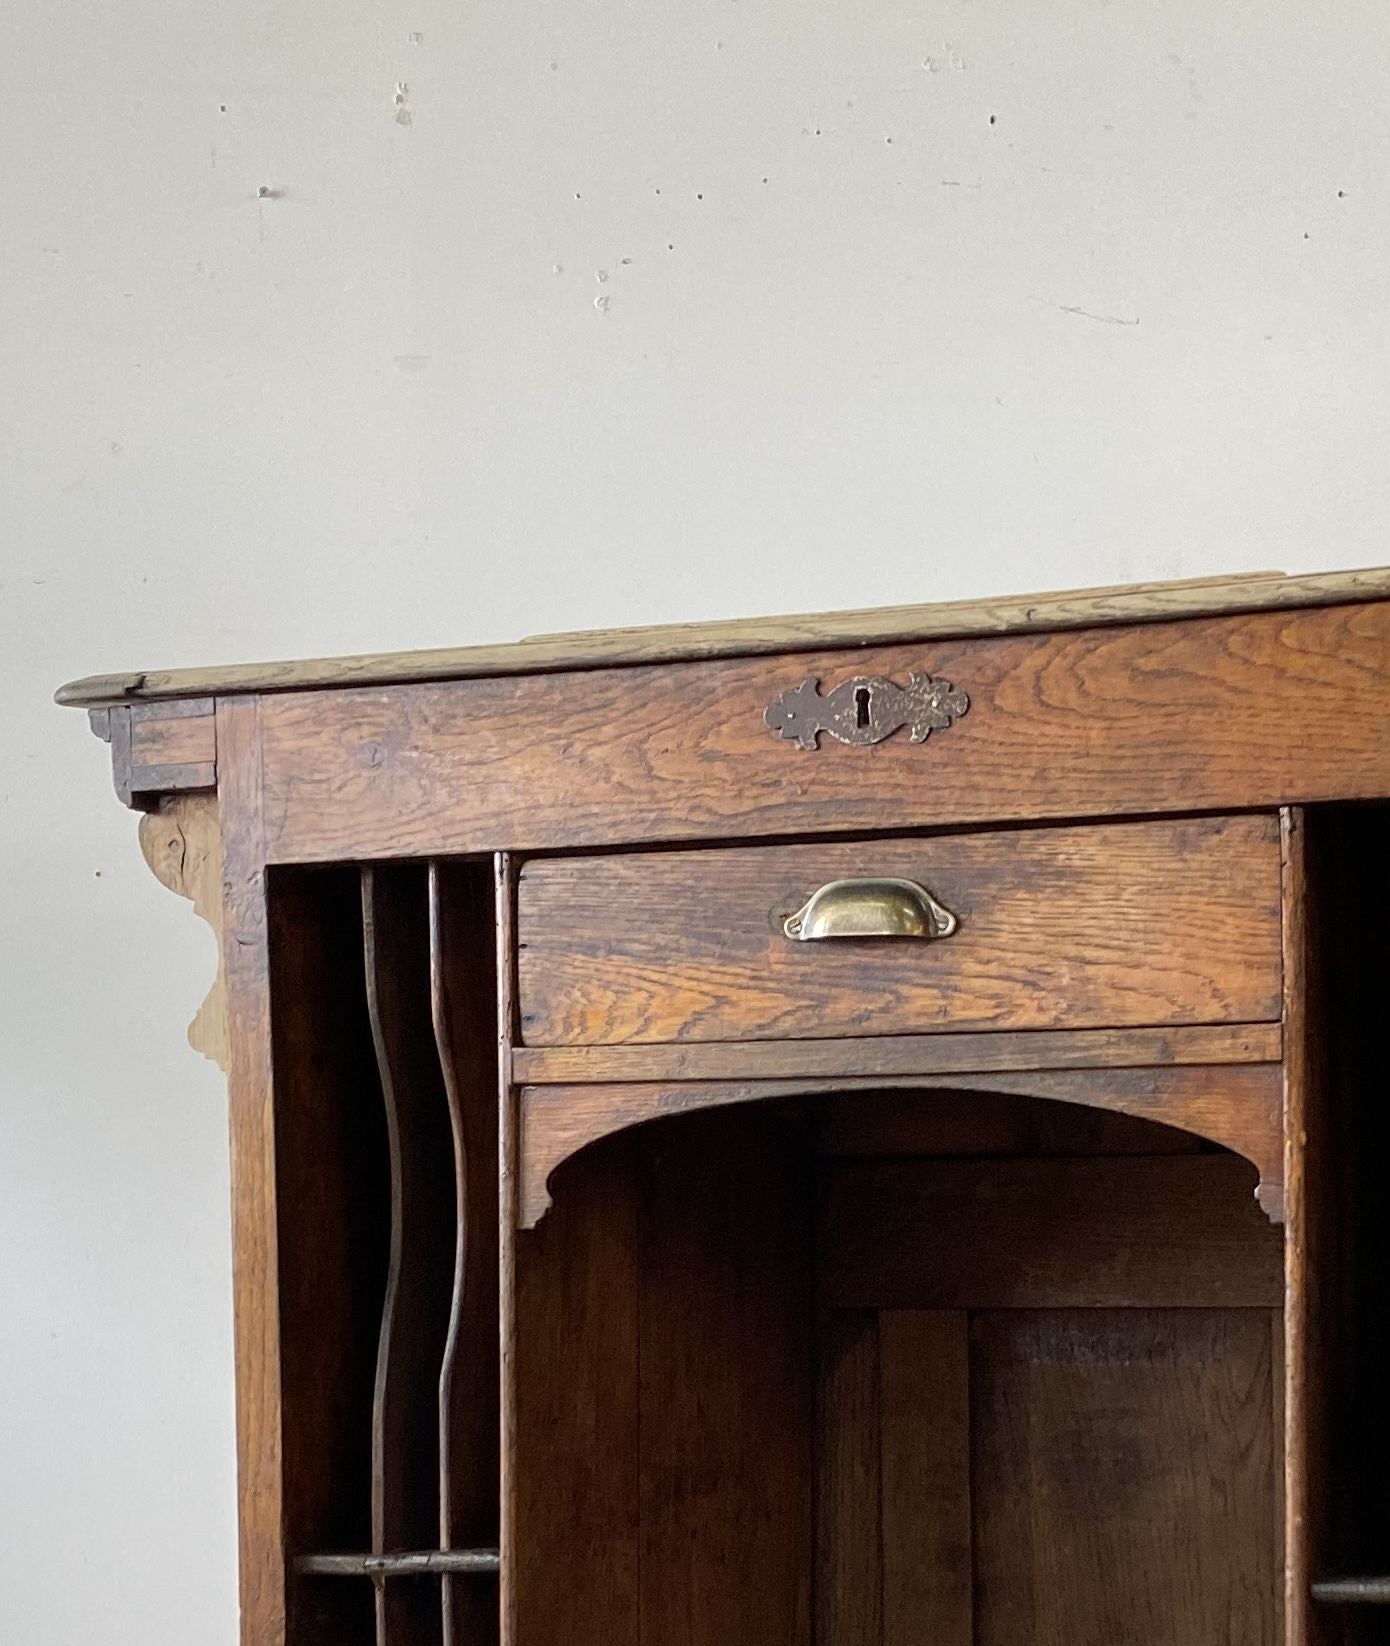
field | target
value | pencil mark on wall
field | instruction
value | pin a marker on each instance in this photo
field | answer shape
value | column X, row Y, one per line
column 1087, row 314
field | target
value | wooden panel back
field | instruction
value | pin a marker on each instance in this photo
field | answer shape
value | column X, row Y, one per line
column 1124, row 1482
column 1213, row 714
column 1017, row 1234
column 662, row 1371
column 1140, row 923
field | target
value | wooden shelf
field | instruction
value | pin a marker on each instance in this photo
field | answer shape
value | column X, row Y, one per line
column 1353, row 1591
column 420, row 1563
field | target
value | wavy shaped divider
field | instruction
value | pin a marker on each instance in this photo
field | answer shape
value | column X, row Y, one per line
column 464, row 1014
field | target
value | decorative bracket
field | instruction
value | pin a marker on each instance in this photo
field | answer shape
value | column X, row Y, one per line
column 866, row 709
column 182, row 844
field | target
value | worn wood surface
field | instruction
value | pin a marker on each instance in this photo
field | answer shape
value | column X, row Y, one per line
column 1070, row 608
column 891, row 1056
column 182, row 843
column 1237, row 1106
column 159, row 748
column 1129, row 924
column 1022, row 1234
column 255, row 1244
column 1124, row 1485
column 1207, row 715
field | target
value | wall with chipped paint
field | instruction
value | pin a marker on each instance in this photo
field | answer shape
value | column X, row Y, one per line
column 365, row 325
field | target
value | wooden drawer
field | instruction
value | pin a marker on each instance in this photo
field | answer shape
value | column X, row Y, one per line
column 1122, row 925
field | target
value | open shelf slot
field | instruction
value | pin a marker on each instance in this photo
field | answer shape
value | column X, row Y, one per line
column 884, row 1367
column 1345, row 1240
column 383, row 1002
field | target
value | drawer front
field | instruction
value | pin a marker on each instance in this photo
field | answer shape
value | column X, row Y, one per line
column 1112, row 926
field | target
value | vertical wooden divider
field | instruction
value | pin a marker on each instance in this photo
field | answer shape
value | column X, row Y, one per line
column 508, row 1210
column 252, row 1125
column 463, row 1003
column 415, row 1314
column 1305, row 1257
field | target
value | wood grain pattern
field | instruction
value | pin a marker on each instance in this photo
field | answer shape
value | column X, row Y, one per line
column 1206, row 715
column 1125, row 1478
column 928, row 1576
column 745, row 637
column 182, row 843
column 1169, row 1232
column 889, row 1056
column 255, row 1247
column 724, row 1492
column 1130, row 924
column 182, row 733
column 571, row 1560
column 1237, row 1107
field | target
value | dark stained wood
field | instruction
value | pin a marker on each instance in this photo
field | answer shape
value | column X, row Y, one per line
column 893, row 1055
column 508, row 1146
column 332, row 1201
column 1129, row 924
column 1018, row 1234
column 849, row 1482
column 1338, row 1417
column 926, row 1490
column 1305, row 1438
column 1220, row 714
column 893, row 1122
column 1066, row 609
column 255, row 1245
column 1124, row 1484
column 1238, row 1106
column 463, row 1000
column 725, row 1407
column 570, row 1562
column 416, row 1310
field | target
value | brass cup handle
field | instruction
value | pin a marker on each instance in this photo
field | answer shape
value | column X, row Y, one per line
column 870, row 908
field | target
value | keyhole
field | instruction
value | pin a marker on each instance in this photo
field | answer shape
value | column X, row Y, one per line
column 861, row 708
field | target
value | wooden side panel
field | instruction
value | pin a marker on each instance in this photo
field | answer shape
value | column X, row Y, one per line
column 572, row 1472
column 1128, row 924
column 725, row 1405
column 1125, row 1478
column 1017, row 1234
column 1222, row 714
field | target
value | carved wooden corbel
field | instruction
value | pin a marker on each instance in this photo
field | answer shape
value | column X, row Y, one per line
column 182, row 843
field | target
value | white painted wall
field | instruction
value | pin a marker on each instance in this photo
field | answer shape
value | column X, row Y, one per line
column 366, row 325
